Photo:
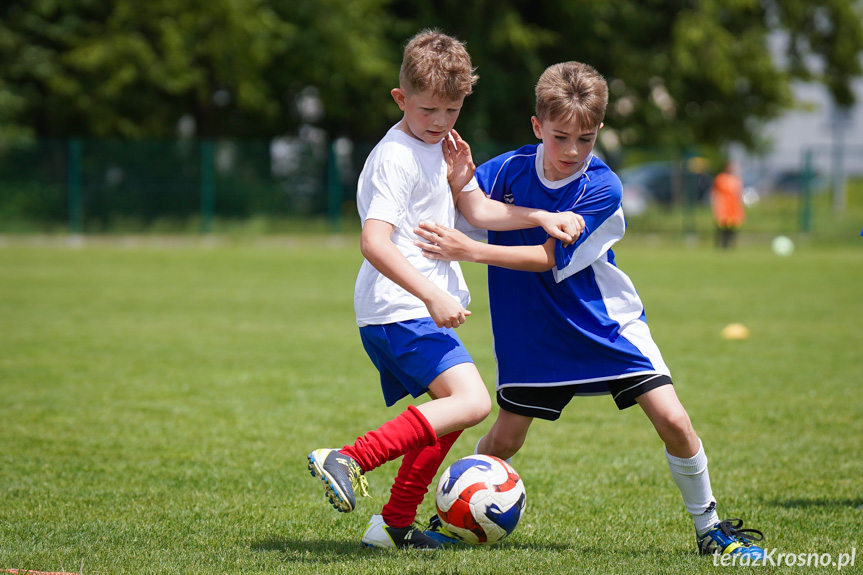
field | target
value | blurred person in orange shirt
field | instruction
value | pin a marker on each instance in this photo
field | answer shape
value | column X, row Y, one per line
column 726, row 198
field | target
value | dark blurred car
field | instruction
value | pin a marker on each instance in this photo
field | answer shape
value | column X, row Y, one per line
column 788, row 181
column 760, row 183
column 663, row 183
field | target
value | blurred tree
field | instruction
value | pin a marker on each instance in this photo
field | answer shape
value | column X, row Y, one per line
column 681, row 72
column 236, row 67
column 823, row 42
column 131, row 69
column 349, row 53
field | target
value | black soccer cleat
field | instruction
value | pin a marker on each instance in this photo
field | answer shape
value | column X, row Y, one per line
column 341, row 476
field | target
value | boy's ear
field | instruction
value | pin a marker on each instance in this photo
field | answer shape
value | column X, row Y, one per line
column 537, row 127
column 399, row 96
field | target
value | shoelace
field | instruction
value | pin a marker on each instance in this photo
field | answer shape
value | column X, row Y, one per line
column 436, row 525
column 358, row 480
column 733, row 528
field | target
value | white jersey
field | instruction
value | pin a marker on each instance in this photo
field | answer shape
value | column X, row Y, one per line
column 404, row 183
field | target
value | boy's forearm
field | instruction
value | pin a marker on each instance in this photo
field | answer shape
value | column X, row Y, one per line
column 485, row 213
column 378, row 248
column 482, row 212
column 515, row 218
column 537, row 258
column 442, row 243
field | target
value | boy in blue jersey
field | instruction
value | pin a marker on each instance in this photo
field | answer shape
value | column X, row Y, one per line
column 565, row 320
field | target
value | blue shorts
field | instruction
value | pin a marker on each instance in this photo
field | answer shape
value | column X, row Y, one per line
column 410, row 354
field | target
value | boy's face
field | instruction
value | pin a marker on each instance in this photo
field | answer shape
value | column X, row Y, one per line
column 427, row 117
column 566, row 145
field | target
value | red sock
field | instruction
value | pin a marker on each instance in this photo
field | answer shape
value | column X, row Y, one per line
column 416, row 473
column 409, row 430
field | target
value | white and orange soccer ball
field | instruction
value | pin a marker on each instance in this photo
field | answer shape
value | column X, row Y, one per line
column 480, row 499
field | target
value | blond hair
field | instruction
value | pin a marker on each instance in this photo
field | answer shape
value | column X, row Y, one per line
column 433, row 60
column 572, row 90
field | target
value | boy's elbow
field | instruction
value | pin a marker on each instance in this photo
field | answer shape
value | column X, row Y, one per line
column 365, row 247
column 374, row 232
column 369, row 246
column 372, row 249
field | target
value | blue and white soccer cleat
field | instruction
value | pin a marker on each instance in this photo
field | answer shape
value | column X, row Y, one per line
column 341, row 476
column 382, row 536
column 439, row 533
column 729, row 538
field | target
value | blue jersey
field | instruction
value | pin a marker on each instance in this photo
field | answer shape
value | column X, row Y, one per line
column 581, row 322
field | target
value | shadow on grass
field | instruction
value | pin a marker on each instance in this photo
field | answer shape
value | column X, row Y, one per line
column 311, row 551
column 330, row 551
column 637, row 555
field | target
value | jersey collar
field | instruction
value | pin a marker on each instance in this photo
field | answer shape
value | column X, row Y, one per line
column 540, row 172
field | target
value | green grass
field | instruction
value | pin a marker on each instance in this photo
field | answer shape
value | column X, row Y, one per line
column 157, row 401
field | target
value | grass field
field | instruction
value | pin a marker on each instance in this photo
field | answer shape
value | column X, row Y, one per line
column 158, row 400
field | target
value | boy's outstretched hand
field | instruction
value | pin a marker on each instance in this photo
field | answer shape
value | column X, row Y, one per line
column 459, row 161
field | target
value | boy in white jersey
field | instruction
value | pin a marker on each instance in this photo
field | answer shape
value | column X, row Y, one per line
column 578, row 327
column 406, row 305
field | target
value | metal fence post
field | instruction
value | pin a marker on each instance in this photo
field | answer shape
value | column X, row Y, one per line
column 840, row 122
column 689, row 191
column 334, row 189
column 74, row 186
column 806, row 194
column 208, row 192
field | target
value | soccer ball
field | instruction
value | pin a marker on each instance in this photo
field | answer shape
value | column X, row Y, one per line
column 480, row 499
column 782, row 246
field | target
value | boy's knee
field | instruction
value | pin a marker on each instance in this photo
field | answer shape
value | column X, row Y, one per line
column 676, row 426
column 479, row 409
column 681, row 423
column 473, row 405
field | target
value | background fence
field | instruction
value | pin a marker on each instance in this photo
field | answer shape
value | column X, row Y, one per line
column 191, row 186
column 98, row 185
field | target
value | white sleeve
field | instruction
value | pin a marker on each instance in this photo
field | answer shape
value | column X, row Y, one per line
column 471, row 185
column 389, row 188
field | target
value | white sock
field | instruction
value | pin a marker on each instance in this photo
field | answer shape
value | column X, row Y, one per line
column 691, row 477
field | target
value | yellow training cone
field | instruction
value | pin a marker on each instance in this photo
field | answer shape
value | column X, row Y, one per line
column 735, row 331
